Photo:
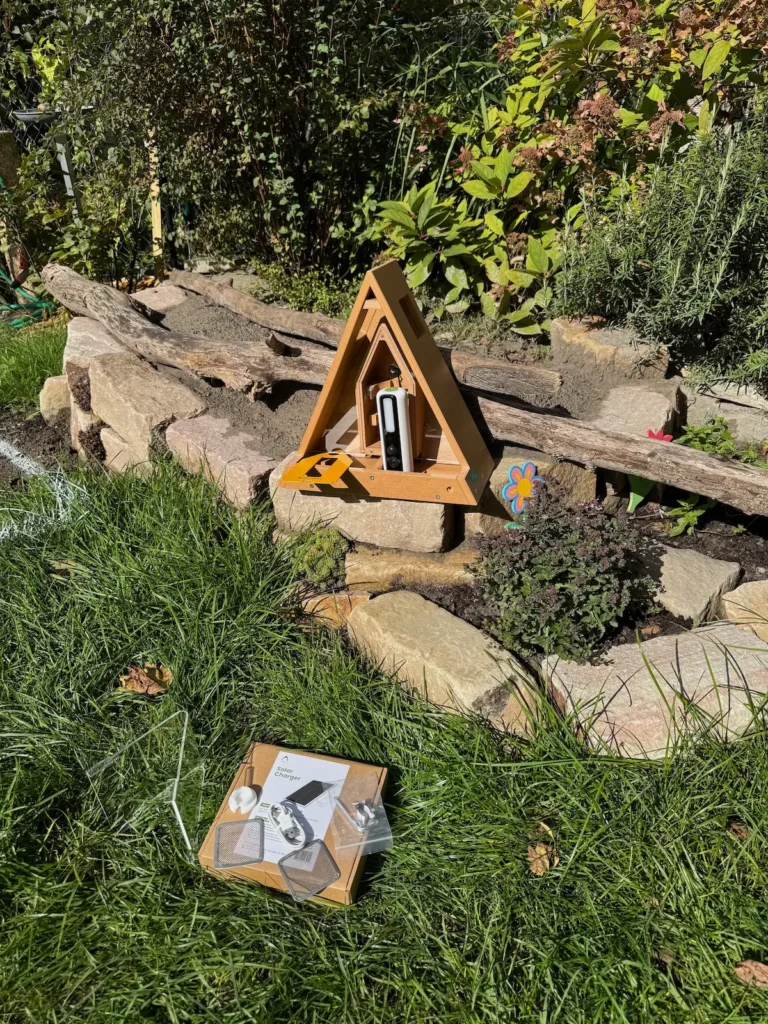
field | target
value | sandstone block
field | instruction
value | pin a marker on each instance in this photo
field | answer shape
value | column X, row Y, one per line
column 642, row 698
column 691, row 584
column 607, row 351
column 334, row 609
column 228, row 456
column 119, row 456
column 444, row 659
column 84, row 431
column 137, row 401
column 638, row 408
column 411, row 525
column 574, row 482
column 747, row 607
column 747, row 423
column 86, row 339
column 55, row 399
column 375, row 570
column 159, row 300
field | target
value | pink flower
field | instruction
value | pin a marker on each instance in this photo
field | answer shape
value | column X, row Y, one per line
column 421, row 149
column 522, row 483
column 395, row 120
column 659, row 435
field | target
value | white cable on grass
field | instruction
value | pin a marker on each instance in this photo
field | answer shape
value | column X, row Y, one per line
column 34, row 523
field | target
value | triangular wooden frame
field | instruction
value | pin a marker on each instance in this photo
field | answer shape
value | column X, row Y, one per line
column 452, row 464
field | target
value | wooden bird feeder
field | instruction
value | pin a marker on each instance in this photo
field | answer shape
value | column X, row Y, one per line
column 387, row 345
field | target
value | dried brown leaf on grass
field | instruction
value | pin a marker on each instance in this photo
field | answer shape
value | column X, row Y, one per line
column 738, row 829
column 752, row 972
column 151, row 679
column 542, row 855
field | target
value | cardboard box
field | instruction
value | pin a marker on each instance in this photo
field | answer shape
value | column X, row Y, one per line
column 290, row 768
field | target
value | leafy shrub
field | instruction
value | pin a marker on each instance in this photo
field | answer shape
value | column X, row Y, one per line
column 319, row 557
column 571, row 95
column 685, row 263
column 315, row 291
column 563, row 581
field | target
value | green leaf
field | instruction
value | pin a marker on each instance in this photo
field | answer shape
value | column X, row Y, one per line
column 716, row 57
column 656, row 94
column 456, row 250
column 697, row 57
column 419, row 274
column 495, row 223
column 397, row 213
column 609, row 46
column 520, row 279
column 504, row 165
column 518, row 184
column 706, row 117
column 496, row 273
column 457, row 276
column 487, row 305
column 479, row 190
column 457, row 307
column 528, row 330
column 589, row 10
column 537, row 259
column 425, row 207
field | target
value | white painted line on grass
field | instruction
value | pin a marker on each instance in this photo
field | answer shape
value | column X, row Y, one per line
column 33, row 523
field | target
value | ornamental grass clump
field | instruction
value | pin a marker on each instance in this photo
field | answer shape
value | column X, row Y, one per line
column 563, row 581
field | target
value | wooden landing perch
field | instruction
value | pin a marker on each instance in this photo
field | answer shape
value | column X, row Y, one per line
column 712, row 476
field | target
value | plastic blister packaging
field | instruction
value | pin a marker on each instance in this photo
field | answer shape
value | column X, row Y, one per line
column 238, row 844
column 309, row 870
column 359, row 823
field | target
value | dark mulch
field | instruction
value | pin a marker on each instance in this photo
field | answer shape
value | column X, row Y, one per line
column 49, row 445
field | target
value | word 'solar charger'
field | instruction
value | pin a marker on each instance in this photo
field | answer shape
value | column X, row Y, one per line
column 390, row 421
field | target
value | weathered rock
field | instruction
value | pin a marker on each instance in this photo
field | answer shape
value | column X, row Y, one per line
column 86, row 339
column 747, row 423
column 691, row 584
column 638, row 408
column 607, row 352
column 411, row 525
column 84, row 431
column 445, row 659
column 334, row 609
column 159, row 300
column 747, row 607
column 642, row 698
column 136, row 400
column 228, row 456
column 573, row 482
column 119, row 456
column 376, row 569
column 55, row 399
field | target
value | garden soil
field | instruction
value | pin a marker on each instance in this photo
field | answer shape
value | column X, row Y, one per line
column 48, row 445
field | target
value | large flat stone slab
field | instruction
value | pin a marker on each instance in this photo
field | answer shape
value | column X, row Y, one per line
column 691, row 584
column 444, row 659
column 747, row 607
column 159, row 300
column 137, row 401
column 642, row 698
column 228, row 456
column 574, row 483
column 607, row 351
column 411, row 525
column 375, row 570
column 55, row 399
column 86, row 339
column 638, row 408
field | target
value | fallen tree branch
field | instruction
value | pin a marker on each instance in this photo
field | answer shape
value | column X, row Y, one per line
column 713, row 476
column 315, row 327
column 241, row 365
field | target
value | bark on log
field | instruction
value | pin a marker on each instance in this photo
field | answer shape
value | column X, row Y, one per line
column 315, row 327
column 242, row 366
column 712, row 476
column 531, row 384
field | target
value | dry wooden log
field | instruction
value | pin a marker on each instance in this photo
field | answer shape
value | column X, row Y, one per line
column 315, row 327
column 712, row 476
column 531, row 384
column 243, row 366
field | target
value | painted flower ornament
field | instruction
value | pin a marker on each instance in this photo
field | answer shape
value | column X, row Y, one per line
column 522, row 483
column 659, row 435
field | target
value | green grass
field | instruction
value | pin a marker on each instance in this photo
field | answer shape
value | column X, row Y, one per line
column 450, row 926
column 27, row 358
